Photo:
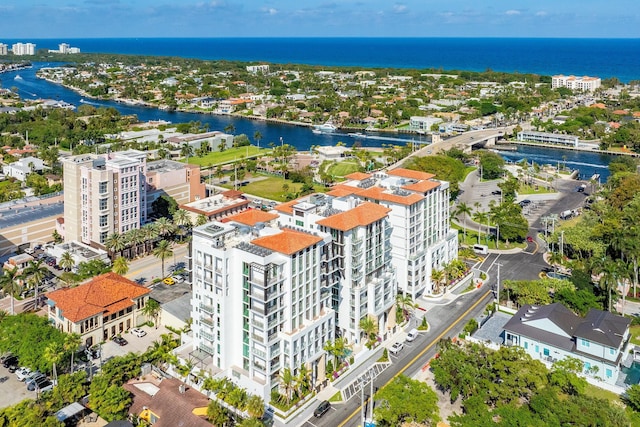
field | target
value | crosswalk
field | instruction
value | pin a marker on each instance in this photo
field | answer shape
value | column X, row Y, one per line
column 355, row 386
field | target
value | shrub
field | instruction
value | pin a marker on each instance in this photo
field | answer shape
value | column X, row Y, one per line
column 471, row 326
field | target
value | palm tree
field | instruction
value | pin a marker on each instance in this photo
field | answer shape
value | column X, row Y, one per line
column 120, row 266
column 151, row 309
column 10, row 282
column 406, row 305
column 164, row 226
column 437, row 277
column 288, row 383
column 181, row 218
column 52, row 354
column 230, row 128
column 36, row 271
column 303, row 380
column 257, row 136
column 255, row 406
column 150, row 235
column 66, row 261
column 135, row 238
column 115, row 243
column 186, row 151
column 163, row 251
column 369, row 327
column 609, row 273
column 201, row 220
column 463, row 209
column 72, row 343
column 555, row 259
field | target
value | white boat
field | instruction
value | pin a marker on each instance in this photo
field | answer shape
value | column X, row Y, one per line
column 17, row 77
column 357, row 135
column 327, row 127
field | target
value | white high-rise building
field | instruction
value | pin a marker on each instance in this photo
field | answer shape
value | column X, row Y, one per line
column 23, row 49
column 103, row 194
column 270, row 289
column 585, row 83
column 258, row 305
column 421, row 236
column 3, row 49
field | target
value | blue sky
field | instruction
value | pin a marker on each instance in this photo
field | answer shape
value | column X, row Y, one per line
column 318, row 18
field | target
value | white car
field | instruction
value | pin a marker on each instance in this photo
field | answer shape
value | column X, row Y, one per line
column 23, row 373
column 396, row 348
column 137, row 332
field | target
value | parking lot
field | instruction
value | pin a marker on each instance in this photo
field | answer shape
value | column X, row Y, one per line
column 12, row 391
column 134, row 344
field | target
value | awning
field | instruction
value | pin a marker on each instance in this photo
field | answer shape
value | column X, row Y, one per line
column 69, row 411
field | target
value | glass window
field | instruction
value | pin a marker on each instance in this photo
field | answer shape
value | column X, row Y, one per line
column 103, row 187
column 103, row 204
column 584, row 343
column 546, row 352
column 608, row 373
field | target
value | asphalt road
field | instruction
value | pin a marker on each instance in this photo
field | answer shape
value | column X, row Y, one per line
column 445, row 321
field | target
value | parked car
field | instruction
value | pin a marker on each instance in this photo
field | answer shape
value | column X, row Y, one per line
column 30, row 382
column 412, row 335
column 10, row 361
column 396, row 348
column 529, row 239
column 178, row 279
column 93, row 352
column 169, row 281
column 120, row 341
column 44, row 386
column 322, row 409
column 137, row 332
column 22, row 373
column 37, row 383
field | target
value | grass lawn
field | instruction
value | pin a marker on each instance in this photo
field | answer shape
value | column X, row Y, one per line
column 634, row 331
column 336, row 397
column 271, row 188
column 467, row 171
column 472, row 239
column 615, row 400
column 534, row 189
column 228, row 155
column 342, row 169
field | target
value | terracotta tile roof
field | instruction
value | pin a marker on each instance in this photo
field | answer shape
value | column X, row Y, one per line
column 378, row 193
column 422, row 186
column 358, row 176
column 232, row 194
column 598, row 105
column 287, row 207
column 343, row 190
column 636, row 114
column 172, row 407
column 105, row 294
column 620, row 112
column 408, row 173
column 251, row 217
column 362, row 215
column 288, row 242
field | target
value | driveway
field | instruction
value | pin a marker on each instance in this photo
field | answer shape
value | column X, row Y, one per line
column 135, row 344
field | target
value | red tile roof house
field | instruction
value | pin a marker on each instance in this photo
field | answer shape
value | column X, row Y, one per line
column 165, row 404
column 100, row 309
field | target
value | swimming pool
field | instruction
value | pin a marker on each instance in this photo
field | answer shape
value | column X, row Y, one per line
column 632, row 374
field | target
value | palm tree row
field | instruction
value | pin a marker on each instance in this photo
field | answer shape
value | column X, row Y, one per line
column 14, row 281
column 298, row 385
column 141, row 240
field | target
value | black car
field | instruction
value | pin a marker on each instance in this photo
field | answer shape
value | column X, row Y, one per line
column 37, row 384
column 322, row 409
column 10, row 361
column 120, row 341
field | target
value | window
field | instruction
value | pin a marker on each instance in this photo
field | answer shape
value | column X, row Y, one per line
column 526, row 345
column 103, row 204
column 608, row 373
column 612, row 351
column 584, row 343
column 537, row 348
column 104, row 219
column 587, row 366
column 102, row 187
column 299, row 223
column 546, row 352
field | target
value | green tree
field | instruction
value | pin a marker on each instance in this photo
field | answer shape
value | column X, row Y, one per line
column 163, row 251
column 71, row 345
column 287, row 383
column 164, row 206
column 255, row 406
column 369, row 328
column 115, row 243
column 217, row 415
column 152, row 310
column 464, row 210
column 257, row 136
column 10, row 281
column 405, row 400
column 201, row 220
column 36, row 272
column 120, row 266
column 632, row 397
column 109, row 400
column 53, row 354
column 66, row 261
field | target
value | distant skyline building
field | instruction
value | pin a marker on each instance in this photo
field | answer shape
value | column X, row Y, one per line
column 4, row 49
column 23, row 49
column 585, row 83
column 65, row 48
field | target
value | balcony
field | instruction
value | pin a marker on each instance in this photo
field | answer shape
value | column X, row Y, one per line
column 206, row 349
column 206, row 308
column 207, row 321
column 272, row 323
column 206, row 335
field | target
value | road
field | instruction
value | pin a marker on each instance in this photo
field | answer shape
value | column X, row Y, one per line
column 145, row 269
column 445, row 321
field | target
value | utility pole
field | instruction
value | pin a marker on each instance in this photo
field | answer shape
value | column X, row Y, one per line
column 498, row 287
column 562, row 243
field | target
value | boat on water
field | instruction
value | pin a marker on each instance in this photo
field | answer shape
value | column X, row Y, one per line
column 17, row 77
column 357, row 135
column 326, row 127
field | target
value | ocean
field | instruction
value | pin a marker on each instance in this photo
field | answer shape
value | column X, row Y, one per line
column 603, row 58
column 457, row 53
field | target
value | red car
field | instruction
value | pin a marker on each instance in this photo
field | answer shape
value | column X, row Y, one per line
column 529, row 239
